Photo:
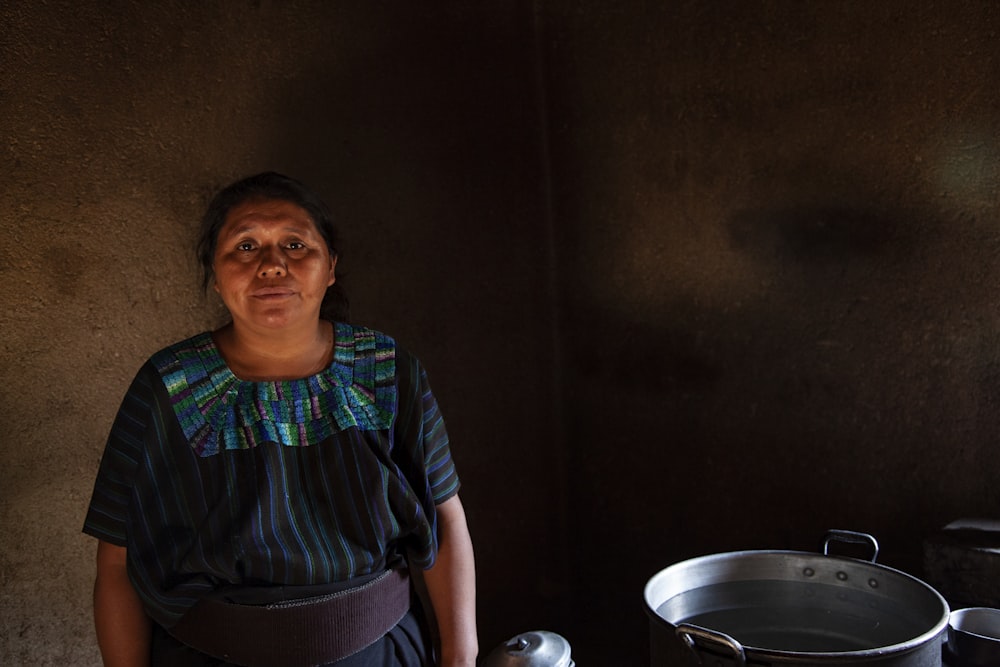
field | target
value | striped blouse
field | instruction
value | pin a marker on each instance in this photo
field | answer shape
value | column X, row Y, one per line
column 210, row 481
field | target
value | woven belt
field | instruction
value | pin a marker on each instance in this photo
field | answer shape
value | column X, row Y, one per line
column 298, row 633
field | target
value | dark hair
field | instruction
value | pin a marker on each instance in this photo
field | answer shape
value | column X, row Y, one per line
column 271, row 185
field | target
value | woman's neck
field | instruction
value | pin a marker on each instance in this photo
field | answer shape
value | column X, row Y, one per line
column 261, row 356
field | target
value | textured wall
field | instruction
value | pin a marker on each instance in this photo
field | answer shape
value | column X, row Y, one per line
column 736, row 289
column 120, row 118
column 778, row 239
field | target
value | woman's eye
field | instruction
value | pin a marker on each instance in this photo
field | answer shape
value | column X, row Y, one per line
column 296, row 245
column 246, row 246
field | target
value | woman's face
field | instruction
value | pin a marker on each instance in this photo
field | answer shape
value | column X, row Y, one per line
column 272, row 266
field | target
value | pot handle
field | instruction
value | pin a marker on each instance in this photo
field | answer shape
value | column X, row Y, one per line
column 851, row 537
column 687, row 633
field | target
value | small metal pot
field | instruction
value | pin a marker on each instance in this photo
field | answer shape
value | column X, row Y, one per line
column 974, row 637
column 539, row 648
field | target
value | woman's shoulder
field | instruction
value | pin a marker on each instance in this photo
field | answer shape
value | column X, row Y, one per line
column 200, row 348
column 372, row 357
column 361, row 332
column 352, row 341
column 361, row 352
column 345, row 333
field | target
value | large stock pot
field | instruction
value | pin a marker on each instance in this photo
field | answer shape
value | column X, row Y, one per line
column 793, row 608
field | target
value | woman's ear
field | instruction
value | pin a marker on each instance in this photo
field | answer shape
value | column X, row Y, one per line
column 333, row 270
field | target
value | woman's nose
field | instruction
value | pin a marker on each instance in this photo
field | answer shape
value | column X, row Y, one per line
column 271, row 264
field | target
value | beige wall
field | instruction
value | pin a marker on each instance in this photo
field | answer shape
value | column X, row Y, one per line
column 688, row 276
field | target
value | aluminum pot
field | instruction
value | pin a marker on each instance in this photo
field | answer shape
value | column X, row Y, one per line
column 974, row 637
column 793, row 608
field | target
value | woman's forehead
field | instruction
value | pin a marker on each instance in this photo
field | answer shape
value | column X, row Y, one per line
column 254, row 213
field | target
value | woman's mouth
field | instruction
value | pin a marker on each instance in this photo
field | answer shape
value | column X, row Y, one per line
column 272, row 293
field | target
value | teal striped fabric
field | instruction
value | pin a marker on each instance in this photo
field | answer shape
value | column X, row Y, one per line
column 218, row 411
column 210, row 481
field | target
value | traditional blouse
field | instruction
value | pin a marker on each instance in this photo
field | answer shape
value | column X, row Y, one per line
column 211, row 481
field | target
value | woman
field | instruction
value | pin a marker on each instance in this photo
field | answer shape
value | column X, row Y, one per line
column 268, row 488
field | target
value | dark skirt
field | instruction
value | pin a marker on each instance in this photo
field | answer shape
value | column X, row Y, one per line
column 402, row 646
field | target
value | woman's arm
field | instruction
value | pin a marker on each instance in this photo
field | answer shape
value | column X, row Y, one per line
column 123, row 628
column 451, row 586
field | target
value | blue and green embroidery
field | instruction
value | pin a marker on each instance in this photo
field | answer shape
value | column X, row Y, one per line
column 218, row 411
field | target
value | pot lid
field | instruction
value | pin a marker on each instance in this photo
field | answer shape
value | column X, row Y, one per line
column 538, row 648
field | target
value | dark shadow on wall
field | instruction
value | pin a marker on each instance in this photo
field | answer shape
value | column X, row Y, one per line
column 420, row 127
column 837, row 392
column 810, row 235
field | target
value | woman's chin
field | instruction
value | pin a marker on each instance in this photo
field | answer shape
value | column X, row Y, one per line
column 280, row 319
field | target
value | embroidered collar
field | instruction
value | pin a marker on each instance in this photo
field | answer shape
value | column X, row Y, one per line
column 219, row 411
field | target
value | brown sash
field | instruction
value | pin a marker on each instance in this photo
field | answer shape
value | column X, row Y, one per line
column 297, row 633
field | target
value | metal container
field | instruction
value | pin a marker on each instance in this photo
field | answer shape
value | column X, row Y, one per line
column 793, row 608
column 539, row 648
column 974, row 637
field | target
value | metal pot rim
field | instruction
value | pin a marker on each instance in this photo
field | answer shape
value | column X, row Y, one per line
column 911, row 644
